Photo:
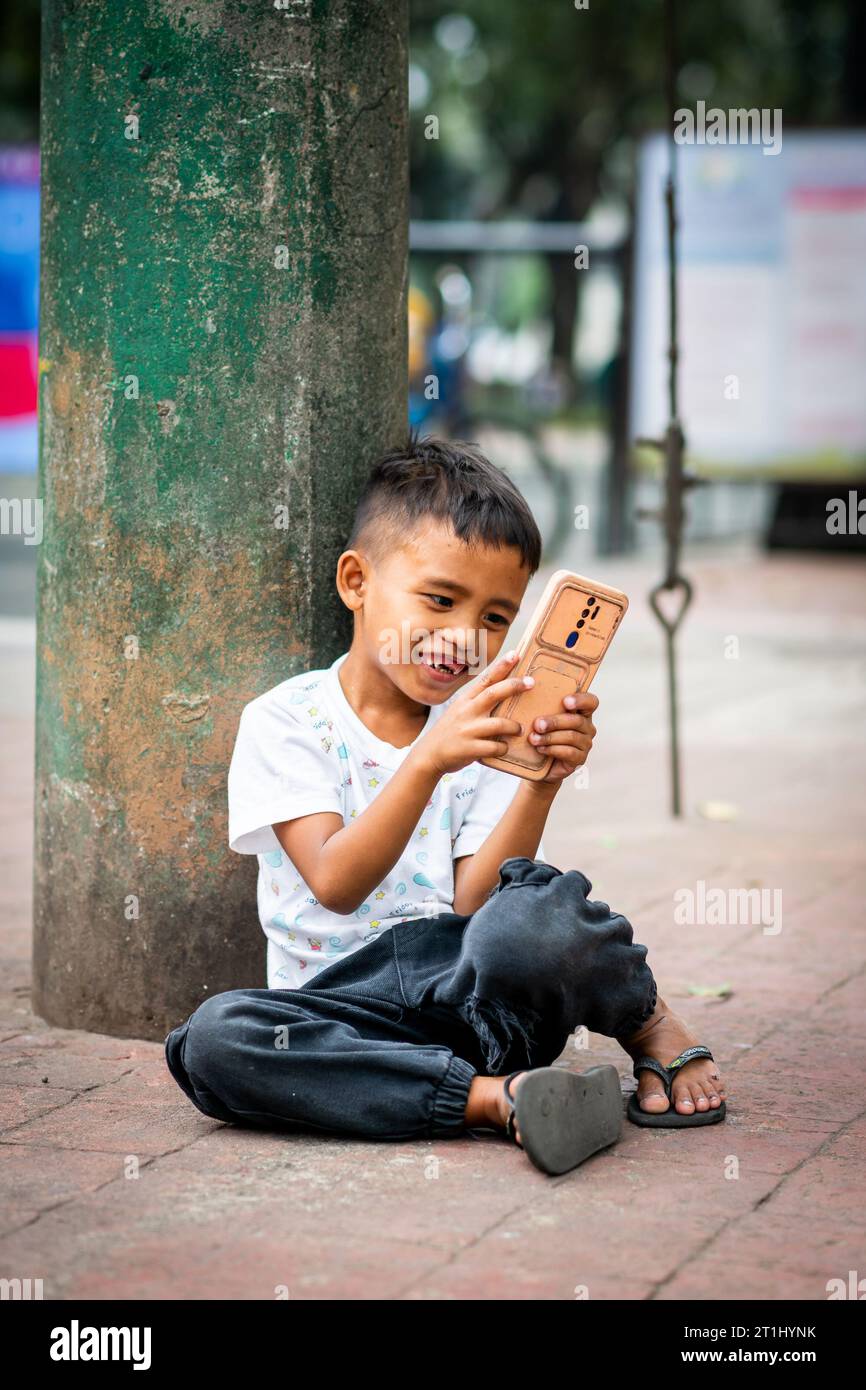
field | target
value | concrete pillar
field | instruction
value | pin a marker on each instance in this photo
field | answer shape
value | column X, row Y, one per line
column 222, row 351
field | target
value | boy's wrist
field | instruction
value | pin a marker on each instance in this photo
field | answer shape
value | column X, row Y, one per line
column 541, row 791
column 420, row 765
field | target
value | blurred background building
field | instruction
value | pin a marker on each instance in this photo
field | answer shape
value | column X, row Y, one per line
column 538, row 319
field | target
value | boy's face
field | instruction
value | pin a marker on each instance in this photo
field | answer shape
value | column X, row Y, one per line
column 434, row 601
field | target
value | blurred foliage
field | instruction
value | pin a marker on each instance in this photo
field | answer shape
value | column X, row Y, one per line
column 539, row 104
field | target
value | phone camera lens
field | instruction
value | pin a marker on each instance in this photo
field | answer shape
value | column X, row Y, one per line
column 591, row 601
column 585, row 613
column 580, row 622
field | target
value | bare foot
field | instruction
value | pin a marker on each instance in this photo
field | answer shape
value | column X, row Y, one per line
column 697, row 1084
column 487, row 1104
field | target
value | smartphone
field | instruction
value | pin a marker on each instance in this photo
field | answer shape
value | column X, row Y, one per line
column 563, row 646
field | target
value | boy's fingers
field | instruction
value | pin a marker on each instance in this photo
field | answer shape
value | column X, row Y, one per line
column 497, row 668
column 563, row 736
column 491, row 748
column 565, row 755
column 507, row 727
column 548, row 722
column 492, row 673
column 568, row 752
column 490, row 695
column 581, row 703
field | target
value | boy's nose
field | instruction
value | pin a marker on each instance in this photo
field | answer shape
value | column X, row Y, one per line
column 460, row 642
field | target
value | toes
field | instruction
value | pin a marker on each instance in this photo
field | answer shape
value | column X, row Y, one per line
column 685, row 1096
column 652, row 1098
column 699, row 1094
column 695, row 1093
column 713, row 1090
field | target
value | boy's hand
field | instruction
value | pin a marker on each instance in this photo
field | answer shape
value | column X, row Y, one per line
column 467, row 731
column 567, row 736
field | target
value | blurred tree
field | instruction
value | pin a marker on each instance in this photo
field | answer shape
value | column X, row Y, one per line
column 539, row 105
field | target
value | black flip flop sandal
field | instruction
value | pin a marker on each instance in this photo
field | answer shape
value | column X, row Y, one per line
column 672, row 1119
column 563, row 1116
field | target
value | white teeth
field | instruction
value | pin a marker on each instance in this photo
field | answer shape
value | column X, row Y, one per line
column 451, row 669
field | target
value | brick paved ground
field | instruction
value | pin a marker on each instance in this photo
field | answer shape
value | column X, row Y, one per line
column 768, row 1205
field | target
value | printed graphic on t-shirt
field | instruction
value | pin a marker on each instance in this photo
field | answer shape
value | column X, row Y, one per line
column 301, row 749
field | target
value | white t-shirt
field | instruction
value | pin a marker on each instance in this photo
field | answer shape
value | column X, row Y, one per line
column 301, row 748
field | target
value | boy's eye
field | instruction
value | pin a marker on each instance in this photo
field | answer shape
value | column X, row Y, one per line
column 494, row 617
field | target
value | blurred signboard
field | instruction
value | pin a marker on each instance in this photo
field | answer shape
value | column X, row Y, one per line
column 772, row 286
column 19, row 288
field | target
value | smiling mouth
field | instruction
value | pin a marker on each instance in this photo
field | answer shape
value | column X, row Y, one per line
column 444, row 667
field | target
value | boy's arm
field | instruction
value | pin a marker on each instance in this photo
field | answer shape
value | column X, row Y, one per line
column 517, row 834
column 344, row 863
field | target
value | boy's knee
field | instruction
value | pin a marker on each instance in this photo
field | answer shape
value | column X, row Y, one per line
column 211, row 1031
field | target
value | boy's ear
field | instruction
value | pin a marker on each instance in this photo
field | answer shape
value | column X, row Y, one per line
column 351, row 578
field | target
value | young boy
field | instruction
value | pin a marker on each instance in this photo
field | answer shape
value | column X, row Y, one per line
column 417, row 948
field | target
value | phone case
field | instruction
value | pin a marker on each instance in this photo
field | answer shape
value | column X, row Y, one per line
column 562, row 647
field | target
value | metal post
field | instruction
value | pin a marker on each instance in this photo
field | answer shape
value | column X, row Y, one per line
column 672, row 514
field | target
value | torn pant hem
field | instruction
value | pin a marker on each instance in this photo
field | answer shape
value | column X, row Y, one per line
column 495, row 1025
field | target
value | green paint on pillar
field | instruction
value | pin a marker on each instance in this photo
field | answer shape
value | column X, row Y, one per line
column 223, row 334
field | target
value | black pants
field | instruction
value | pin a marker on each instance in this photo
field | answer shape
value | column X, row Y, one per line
column 385, row 1042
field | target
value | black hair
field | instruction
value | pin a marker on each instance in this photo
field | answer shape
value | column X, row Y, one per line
column 451, row 481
